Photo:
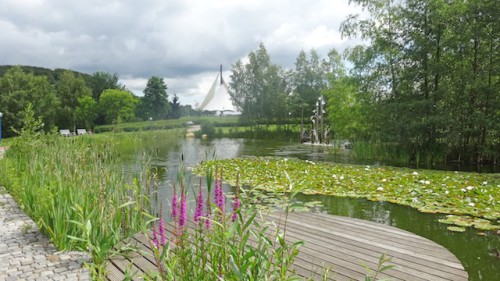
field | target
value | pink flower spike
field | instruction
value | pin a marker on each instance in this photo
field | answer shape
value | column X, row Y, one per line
column 207, row 218
column 174, row 206
column 155, row 238
column 199, row 207
column 236, row 206
column 183, row 213
column 163, row 237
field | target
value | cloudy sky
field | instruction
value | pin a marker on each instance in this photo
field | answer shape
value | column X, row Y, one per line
column 182, row 41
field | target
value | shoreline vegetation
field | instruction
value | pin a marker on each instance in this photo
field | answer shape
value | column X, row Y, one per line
column 73, row 190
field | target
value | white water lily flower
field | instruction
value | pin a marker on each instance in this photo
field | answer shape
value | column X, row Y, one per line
column 384, row 180
column 470, row 187
column 380, row 188
column 415, row 173
column 485, row 182
column 472, row 204
column 446, row 192
column 341, row 177
column 463, row 189
column 427, row 182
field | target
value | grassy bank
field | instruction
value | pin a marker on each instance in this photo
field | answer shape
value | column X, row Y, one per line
column 167, row 124
column 473, row 199
column 72, row 189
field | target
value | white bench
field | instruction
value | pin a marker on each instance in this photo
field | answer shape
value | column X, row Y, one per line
column 81, row 131
column 65, row 133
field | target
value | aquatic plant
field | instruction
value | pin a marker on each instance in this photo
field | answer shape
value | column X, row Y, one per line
column 459, row 193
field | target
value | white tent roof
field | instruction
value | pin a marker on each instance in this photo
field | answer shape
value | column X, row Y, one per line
column 218, row 97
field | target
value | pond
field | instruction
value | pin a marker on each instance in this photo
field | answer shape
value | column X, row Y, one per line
column 471, row 249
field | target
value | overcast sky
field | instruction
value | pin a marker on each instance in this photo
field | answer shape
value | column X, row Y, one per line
column 182, row 41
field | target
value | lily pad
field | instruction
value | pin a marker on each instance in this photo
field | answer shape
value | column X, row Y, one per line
column 456, row 228
column 487, row 226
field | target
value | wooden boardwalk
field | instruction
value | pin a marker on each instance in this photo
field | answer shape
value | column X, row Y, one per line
column 345, row 245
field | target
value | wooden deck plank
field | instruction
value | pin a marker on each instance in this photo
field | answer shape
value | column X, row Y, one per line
column 388, row 244
column 341, row 243
column 113, row 273
column 356, row 252
column 438, row 251
column 372, row 235
column 354, row 259
column 417, row 257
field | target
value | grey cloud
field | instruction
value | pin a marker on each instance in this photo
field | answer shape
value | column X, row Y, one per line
column 182, row 41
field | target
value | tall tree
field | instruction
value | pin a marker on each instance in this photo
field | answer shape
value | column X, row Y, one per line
column 86, row 112
column 70, row 89
column 309, row 78
column 156, row 98
column 117, row 106
column 259, row 88
column 430, row 68
column 17, row 89
column 176, row 107
column 101, row 81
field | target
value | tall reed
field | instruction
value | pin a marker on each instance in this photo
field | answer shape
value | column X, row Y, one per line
column 72, row 189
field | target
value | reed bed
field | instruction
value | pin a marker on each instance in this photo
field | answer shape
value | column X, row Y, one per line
column 72, row 190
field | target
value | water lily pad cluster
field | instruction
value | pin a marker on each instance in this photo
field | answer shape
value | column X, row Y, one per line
column 467, row 195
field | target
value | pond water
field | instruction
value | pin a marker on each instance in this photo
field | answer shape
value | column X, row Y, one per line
column 470, row 248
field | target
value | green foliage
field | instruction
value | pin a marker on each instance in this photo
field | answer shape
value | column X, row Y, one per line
column 347, row 109
column 86, row 112
column 17, row 89
column 176, row 108
column 308, row 80
column 258, row 88
column 117, row 105
column 429, row 70
column 381, row 267
column 71, row 188
column 30, row 134
column 101, row 81
column 207, row 128
column 70, row 89
column 155, row 101
column 236, row 246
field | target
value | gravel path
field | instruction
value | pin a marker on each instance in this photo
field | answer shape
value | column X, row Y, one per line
column 27, row 254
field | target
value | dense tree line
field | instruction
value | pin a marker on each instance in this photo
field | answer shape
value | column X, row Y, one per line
column 67, row 99
column 427, row 81
column 431, row 71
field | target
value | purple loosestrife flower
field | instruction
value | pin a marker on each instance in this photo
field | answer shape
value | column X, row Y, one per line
column 236, row 206
column 219, row 196
column 199, row 207
column 174, row 206
column 155, row 238
column 207, row 218
column 163, row 237
column 183, row 212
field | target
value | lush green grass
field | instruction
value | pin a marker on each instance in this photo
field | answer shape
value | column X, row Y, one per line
column 475, row 197
column 6, row 142
column 167, row 124
column 72, row 189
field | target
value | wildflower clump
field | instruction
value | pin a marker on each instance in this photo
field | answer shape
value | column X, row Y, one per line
column 215, row 244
